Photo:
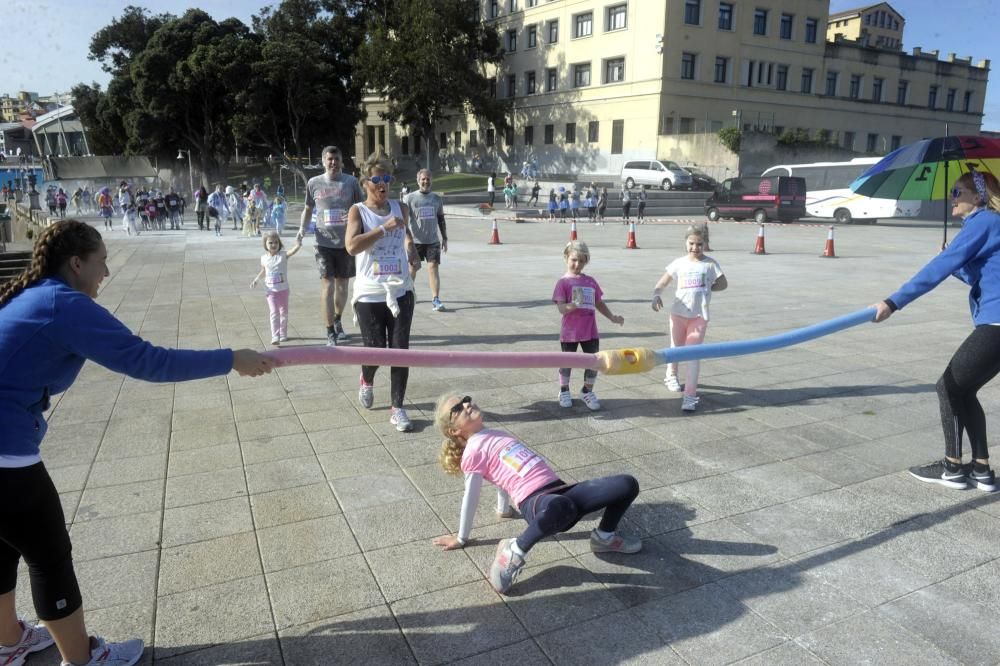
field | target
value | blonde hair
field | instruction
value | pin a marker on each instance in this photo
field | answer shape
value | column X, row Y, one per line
column 453, row 445
column 992, row 198
column 273, row 234
column 375, row 163
column 695, row 231
column 56, row 245
column 580, row 248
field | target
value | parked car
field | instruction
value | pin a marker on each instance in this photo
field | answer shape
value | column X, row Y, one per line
column 701, row 181
column 763, row 198
column 664, row 174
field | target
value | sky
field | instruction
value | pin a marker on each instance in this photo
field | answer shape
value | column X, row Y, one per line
column 46, row 41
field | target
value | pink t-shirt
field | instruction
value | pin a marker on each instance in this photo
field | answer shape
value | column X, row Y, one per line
column 579, row 325
column 507, row 463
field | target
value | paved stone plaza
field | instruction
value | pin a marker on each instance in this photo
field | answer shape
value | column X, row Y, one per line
column 275, row 521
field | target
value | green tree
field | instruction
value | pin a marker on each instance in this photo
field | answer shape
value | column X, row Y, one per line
column 731, row 137
column 428, row 59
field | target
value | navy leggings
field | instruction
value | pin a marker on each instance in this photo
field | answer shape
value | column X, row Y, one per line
column 975, row 363
column 557, row 507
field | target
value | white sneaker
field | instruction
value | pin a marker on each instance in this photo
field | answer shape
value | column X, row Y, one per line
column 590, row 399
column 401, row 420
column 34, row 638
column 565, row 399
column 103, row 653
column 672, row 384
column 690, row 403
column 276, row 341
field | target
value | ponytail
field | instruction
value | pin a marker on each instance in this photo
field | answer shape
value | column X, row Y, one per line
column 55, row 246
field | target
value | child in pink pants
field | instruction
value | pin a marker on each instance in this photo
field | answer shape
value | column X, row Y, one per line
column 274, row 271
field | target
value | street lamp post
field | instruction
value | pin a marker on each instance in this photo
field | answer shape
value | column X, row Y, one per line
column 180, row 156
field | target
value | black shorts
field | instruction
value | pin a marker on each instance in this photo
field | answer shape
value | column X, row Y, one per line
column 334, row 262
column 429, row 252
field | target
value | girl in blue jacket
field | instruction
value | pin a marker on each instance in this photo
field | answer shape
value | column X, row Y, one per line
column 49, row 326
column 974, row 258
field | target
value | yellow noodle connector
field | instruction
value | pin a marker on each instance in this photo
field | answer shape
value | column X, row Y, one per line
column 626, row 361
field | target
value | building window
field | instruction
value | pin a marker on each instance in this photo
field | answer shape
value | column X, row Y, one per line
column 511, row 85
column 687, row 126
column 932, row 97
column 553, row 31
column 548, row 134
column 721, row 69
column 529, row 83
column 687, row 65
column 493, row 88
column 442, row 140
column 811, row 26
column 855, row 91
column 617, row 136
column 583, row 25
column 508, row 137
column 551, row 78
column 901, row 92
column 494, row 9
column 529, row 135
column 473, row 138
column 404, row 145
column 532, row 36
column 692, row 12
column 532, row 3
column 831, row 84
column 614, row 70
column 581, row 75
column 949, row 101
column 512, row 5
column 872, row 142
column 760, row 21
column 807, row 79
column 785, row 31
column 849, row 140
column 616, row 18
column 877, row 89
column 895, row 142
column 570, row 132
column 593, row 128
column 967, row 104
column 511, row 40
column 782, row 83
column 725, row 16
column 491, row 138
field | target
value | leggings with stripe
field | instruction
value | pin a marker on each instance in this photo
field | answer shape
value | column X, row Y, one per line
column 975, row 363
column 557, row 508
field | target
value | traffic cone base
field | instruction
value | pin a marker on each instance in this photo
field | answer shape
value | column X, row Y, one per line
column 495, row 236
column 828, row 252
column 572, row 231
column 758, row 247
column 630, row 243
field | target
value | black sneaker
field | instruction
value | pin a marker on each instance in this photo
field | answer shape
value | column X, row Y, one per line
column 983, row 480
column 339, row 328
column 331, row 339
column 936, row 472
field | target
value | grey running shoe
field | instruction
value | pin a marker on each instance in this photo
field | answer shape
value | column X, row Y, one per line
column 506, row 566
column 366, row 395
column 103, row 653
column 936, row 472
column 34, row 638
column 616, row 543
column 400, row 419
column 982, row 480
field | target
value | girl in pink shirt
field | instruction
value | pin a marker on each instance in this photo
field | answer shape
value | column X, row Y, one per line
column 579, row 298
column 545, row 501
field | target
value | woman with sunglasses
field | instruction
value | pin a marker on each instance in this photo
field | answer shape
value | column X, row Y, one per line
column 546, row 502
column 379, row 239
column 974, row 258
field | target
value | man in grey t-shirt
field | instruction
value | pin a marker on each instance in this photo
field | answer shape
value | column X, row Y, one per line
column 332, row 195
column 426, row 218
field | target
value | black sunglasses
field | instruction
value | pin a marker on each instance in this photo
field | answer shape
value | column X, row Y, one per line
column 457, row 408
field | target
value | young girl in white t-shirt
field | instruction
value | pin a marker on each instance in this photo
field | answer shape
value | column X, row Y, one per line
column 697, row 276
column 274, row 271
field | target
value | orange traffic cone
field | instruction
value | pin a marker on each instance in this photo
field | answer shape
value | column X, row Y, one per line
column 758, row 247
column 572, row 231
column 828, row 252
column 495, row 236
column 630, row 244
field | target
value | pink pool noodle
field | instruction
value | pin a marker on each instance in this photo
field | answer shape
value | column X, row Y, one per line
column 429, row 358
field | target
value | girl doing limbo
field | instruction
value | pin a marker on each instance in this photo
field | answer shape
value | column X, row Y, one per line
column 274, row 271
column 697, row 276
column 974, row 258
column 49, row 326
column 547, row 503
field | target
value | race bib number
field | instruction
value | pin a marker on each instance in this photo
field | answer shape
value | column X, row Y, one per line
column 387, row 266
column 274, row 278
column 426, row 213
column 694, row 281
column 519, row 458
column 333, row 217
column 584, row 297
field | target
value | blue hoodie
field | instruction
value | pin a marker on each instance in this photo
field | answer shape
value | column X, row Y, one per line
column 974, row 258
column 48, row 331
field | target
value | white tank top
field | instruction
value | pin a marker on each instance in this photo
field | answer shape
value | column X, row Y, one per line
column 386, row 259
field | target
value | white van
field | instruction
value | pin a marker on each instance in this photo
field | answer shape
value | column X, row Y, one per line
column 664, row 174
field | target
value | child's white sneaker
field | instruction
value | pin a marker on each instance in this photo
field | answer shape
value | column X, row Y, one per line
column 672, row 384
column 590, row 399
column 690, row 403
column 565, row 399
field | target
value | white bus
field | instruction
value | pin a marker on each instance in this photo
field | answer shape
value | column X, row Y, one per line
column 828, row 193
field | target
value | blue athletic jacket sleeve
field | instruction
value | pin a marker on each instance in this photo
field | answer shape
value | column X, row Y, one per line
column 974, row 258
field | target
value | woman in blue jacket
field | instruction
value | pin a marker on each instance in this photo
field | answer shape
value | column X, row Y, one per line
column 974, row 258
column 49, row 326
